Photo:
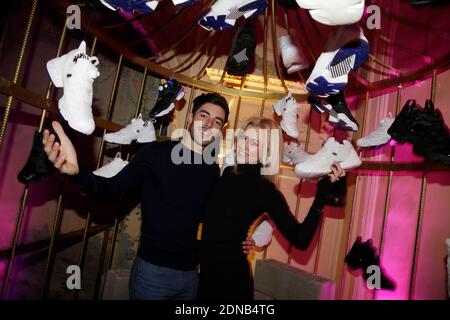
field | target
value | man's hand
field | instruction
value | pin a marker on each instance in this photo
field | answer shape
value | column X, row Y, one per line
column 62, row 155
column 337, row 172
column 248, row 245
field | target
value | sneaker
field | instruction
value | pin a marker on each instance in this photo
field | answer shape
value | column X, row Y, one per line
column 289, row 4
column 379, row 136
column 319, row 164
column 147, row 134
column 140, row 6
column 334, row 13
column 111, row 169
column 244, row 45
column 75, row 71
column 293, row 58
column 337, row 196
column 263, row 234
column 127, row 134
column 362, row 255
column 346, row 49
column 287, row 108
column 169, row 91
column 184, row 3
column 294, row 153
column 340, row 116
column 38, row 165
column 400, row 128
column 224, row 13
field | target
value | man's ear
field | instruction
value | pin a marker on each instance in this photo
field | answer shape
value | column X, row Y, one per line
column 190, row 118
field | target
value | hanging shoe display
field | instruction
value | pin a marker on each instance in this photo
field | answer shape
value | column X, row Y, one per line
column 37, row 165
column 224, row 13
column 346, row 49
column 339, row 114
column 379, row 136
column 287, row 108
column 168, row 92
column 138, row 130
column 319, row 164
column 399, row 130
column 293, row 58
column 75, row 72
column 334, row 13
column 112, row 168
column 363, row 255
column 294, row 153
column 139, row 6
column 244, row 45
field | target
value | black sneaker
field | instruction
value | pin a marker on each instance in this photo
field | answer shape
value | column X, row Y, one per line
column 363, row 255
column 400, row 128
column 340, row 116
column 169, row 91
column 244, row 45
column 336, row 198
column 289, row 4
column 38, row 165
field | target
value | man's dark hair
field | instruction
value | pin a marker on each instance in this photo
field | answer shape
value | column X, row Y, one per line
column 213, row 98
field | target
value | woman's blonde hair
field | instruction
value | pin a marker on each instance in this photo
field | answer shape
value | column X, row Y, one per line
column 274, row 152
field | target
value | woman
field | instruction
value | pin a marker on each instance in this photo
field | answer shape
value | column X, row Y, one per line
column 243, row 193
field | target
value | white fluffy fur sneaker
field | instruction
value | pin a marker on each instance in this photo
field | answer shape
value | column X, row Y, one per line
column 75, row 72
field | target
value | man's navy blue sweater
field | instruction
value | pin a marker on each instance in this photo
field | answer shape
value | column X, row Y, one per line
column 172, row 197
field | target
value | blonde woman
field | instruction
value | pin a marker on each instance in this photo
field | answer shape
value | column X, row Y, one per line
column 243, row 193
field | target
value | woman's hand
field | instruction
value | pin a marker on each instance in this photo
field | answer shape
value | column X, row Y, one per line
column 248, row 245
column 337, row 172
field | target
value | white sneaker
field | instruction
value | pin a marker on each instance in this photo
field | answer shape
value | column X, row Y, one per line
column 379, row 136
column 346, row 49
column 111, row 169
column 75, row 71
column 224, row 13
column 319, row 164
column 293, row 58
column 128, row 134
column 262, row 234
column 182, row 3
column 147, row 133
column 287, row 108
column 294, row 153
column 334, row 12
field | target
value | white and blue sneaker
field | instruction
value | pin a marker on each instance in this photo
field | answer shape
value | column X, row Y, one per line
column 334, row 12
column 346, row 49
column 140, row 6
column 224, row 13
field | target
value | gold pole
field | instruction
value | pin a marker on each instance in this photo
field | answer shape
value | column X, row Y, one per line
column 191, row 98
column 50, row 254
column 275, row 48
column 15, row 240
column 236, row 118
column 421, row 208
column 18, row 70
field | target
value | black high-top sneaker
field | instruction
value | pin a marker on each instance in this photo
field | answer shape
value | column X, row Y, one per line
column 169, row 91
column 340, row 115
column 38, row 165
column 399, row 130
column 430, row 135
column 362, row 255
column 244, row 45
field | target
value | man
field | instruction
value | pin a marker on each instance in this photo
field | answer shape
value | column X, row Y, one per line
column 172, row 198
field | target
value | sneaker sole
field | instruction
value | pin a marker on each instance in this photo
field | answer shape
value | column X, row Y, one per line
column 374, row 143
column 106, row 4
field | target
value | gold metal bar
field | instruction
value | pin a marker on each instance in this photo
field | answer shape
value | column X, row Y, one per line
column 236, row 118
column 141, row 93
column 263, row 102
column 275, row 47
column 50, row 254
column 17, row 232
column 211, row 58
column 197, row 50
column 112, row 100
column 191, row 98
column 423, row 188
column 18, row 70
column 101, row 265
